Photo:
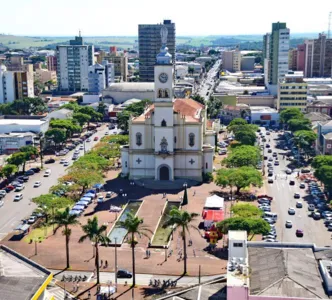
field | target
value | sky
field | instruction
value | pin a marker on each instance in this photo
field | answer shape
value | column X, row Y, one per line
column 192, row 17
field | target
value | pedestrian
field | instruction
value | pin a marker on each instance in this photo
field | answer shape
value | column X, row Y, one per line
column 106, row 263
column 275, row 177
column 147, row 253
column 89, row 295
column 194, row 193
column 101, row 263
column 194, row 253
column 77, row 287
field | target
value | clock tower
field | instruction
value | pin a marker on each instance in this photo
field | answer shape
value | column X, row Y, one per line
column 163, row 112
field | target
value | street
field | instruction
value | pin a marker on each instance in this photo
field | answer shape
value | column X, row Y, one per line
column 283, row 198
column 207, row 84
column 13, row 212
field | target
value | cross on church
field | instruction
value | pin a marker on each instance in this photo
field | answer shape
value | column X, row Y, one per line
column 191, row 161
column 138, row 160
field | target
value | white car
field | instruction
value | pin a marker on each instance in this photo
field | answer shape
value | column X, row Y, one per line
column 81, row 147
column 291, row 211
column 108, row 194
column 62, row 160
column 18, row 197
column 3, row 192
column 77, row 152
column 106, row 133
column 66, row 164
column 32, row 219
column 270, row 240
column 47, row 173
column 37, row 184
column 289, row 224
column 1, row 203
column 270, row 159
column 288, row 171
column 100, row 199
column 19, row 187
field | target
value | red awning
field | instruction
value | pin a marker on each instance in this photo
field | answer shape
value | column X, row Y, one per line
column 213, row 215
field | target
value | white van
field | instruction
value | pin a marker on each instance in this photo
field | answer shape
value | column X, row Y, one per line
column 47, row 173
column 271, row 215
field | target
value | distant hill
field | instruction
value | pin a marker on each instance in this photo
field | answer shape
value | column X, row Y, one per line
column 125, row 42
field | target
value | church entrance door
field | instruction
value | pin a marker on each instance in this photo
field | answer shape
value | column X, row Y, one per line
column 164, row 173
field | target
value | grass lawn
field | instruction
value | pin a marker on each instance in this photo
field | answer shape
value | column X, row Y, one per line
column 162, row 235
column 39, row 234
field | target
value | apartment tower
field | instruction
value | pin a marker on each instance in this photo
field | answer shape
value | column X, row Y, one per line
column 149, row 45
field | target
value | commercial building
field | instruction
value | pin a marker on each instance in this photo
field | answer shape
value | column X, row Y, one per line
column 73, row 61
column 9, row 124
column 231, row 60
column 322, row 104
column 292, row 91
column 266, row 45
column 24, row 85
column 12, row 142
column 280, row 271
column 300, row 58
column 97, row 81
column 120, row 66
column 120, row 92
column 43, row 75
column 52, row 63
column 324, row 137
column 247, row 63
column 318, row 57
column 262, row 115
column 292, row 59
column 7, row 85
column 149, row 44
column 22, row 278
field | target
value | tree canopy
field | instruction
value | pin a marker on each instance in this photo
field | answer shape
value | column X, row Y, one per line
column 81, row 118
column 321, row 160
column 246, row 210
column 245, row 137
column 243, row 156
column 198, row 98
column 304, row 139
column 56, row 135
column 68, row 125
column 289, row 114
column 299, row 124
column 8, row 169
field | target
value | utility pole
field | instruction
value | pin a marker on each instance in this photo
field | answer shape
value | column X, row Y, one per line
column 199, row 274
column 116, row 267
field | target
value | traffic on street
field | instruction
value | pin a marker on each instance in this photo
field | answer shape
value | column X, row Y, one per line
column 207, row 84
column 296, row 213
column 17, row 205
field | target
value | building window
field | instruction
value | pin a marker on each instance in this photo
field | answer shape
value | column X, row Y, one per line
column 166, row 93
column 138, row 139
column 191, row 139
column 237, row 244
column 126, row 164
column 206, row 165
column 160, row 93
column 163, row 123
column 175, row 140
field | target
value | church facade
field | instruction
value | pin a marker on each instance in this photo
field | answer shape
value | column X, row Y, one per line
column 170, row 139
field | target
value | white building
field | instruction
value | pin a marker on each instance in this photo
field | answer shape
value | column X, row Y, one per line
column 97, row 81
column 23, row 125
column 62, row 114
column 12, row 142
column 169, row 140
column 7, row 85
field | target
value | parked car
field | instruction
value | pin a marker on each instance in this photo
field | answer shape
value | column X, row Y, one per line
column 123, row 274
column 288, row 171
column 9, row 188
column 270, row 180
column 50, row 161
column 47, row 173
column 19, row 187
column 311, row 207
column 305, row 171
column 291, row 211
column 297, row 196
column 299, row 233
column 29, row 173
column 302, row 185
column 66, row 164
column 1, row 203
column 32, row 219
column 291, row 182
column 36, row 170
column 24, row 178
column 289, row 224
column 299, row 204
column 37, row 184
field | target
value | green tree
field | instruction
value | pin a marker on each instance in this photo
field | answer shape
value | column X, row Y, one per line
column 181, row 219
column 246, row 210
column 49, row 203
column 134, row 226
column 91, row 161
column 123, row 120
column 30, row 152
column 56, row 135
column 290, row 113
column 96, row 234
column 324, row 174
column 252, row 226
column 81, row 118
column 69, row 125
column 321, row 160
column 65, row 219
column 17, row 159
column 243, row 156
column 101, row 108
column 90, row 111
column 214, row 106
column 245, row 137
column 299, row 124
column 305, row 139
column 191, row 71
column 239, row 177
column 8, row 170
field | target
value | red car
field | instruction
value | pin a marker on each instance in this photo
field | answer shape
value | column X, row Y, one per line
column 9, row 188
column 95, row 138
column 299, row 233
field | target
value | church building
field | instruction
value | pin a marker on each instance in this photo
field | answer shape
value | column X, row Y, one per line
column 170, row 139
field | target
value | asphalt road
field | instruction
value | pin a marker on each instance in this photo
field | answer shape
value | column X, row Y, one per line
column 283, row 198
column 12, row 213
column 208, row 82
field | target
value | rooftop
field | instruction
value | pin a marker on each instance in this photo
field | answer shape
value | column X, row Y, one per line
column 262, row 109
column 282, row 272
column 22, row 122
column 317, row 116
column 131, row 87
column 328, row 136
column 20, row 278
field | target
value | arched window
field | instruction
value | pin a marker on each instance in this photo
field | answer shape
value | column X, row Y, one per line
column 166, row 93
column 138, row 139
column 160, row 93
column 191, row 139
column 163, row 123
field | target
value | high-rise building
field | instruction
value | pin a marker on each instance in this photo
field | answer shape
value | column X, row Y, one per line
column 266, row 45
column 73, row 62
column 7, row 85
column 318, row 57
column 292, row 91
column 24, row 85
column 231, row 60
column 300, row 62
column 149, row 45
column 51, row 63
column 96, row 78
column 292, row 59
column 113, row 49
column 120, row 66
column 278, row 54
column 109, row 72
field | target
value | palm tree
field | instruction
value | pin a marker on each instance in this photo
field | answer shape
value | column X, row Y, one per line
column 63, row 218
column 95, row 234
column 181, row 219
column 134, row 226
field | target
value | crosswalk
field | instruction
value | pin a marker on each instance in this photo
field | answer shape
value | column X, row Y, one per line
column 58, row 293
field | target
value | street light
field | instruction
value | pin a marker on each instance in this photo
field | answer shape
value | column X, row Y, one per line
column 165, row 247
column 116, row 266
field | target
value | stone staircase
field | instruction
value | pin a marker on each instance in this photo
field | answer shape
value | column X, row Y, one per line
column 176, row 184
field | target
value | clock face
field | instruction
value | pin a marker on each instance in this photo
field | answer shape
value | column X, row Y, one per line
column 163, row 77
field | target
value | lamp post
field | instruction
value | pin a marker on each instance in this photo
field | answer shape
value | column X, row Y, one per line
column 165, row 247
column 116, row 266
